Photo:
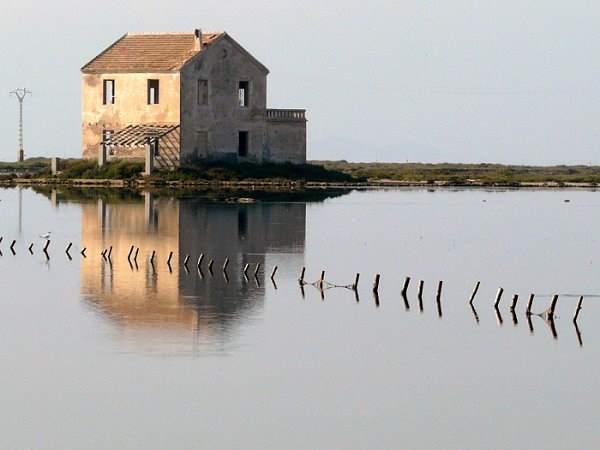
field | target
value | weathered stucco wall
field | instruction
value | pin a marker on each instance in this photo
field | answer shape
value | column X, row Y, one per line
column 286, row 142
column 211, row 131
column 131, row 105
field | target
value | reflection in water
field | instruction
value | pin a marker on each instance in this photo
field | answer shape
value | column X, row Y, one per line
column 155, row 300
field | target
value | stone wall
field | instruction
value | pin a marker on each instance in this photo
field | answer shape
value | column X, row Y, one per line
column 286, row 142
column 131, row 105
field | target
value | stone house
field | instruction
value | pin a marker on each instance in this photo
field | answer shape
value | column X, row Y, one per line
column 173, row 98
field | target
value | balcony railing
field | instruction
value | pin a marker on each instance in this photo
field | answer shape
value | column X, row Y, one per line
column 287, row 115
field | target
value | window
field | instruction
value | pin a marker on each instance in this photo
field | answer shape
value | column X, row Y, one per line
column 108, row 92
column 107, row 141
column 154, row 146
column 153, row 92
column 203, row 92
column 243, row 143
column 244, row 94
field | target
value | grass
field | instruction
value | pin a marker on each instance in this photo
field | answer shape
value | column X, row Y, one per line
column 466, row 173
column 316, row 171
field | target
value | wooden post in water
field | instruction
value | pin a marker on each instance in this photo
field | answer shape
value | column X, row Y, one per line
column 152, row 257
column 83, row 251
column 376, row 283
column 225, row 264
column 245, row 271
column 68, row 248
column 210, row 265
column 169, row 260
column 474, row 293
column 530, row 303
column 256, row 270
column 355, row 285
column 322, row 279
column 498, row 297
column 302, row 273
column 130, row 252
column 200, row 258
column 273, row 273
column 405, row 287
column 30, row 248
column 578, row 309
column 185, row 261
column 135, row 255
column 46, row 246
column 420, row 292
column 12, row 246
column 439, row 291
column 553, row 306
column 110, row 252
column 514, row 302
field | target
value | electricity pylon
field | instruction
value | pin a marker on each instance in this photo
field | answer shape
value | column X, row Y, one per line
column 20, row 93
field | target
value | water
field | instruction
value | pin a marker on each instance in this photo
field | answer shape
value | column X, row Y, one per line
column 101, row 356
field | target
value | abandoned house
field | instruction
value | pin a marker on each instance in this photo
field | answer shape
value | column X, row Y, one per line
column 173, row 98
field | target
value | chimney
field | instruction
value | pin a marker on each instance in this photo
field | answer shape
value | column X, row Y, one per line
column 198, row 40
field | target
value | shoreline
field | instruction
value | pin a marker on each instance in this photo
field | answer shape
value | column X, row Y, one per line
column 287, row 185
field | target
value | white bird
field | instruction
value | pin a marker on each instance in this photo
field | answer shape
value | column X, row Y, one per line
column 46, row 236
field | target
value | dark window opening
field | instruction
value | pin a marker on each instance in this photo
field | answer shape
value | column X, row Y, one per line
column 203, row 92
column 154, row 146
column 243, row 143
column 107, row 141
column 242, row 223
column 108, row 92
column 244, row 94
column 153, row 92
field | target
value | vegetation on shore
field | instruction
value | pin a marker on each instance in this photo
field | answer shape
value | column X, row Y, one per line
column 464, row 174
column 338, row 172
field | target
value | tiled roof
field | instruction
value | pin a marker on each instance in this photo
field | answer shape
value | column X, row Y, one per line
column 148, row 52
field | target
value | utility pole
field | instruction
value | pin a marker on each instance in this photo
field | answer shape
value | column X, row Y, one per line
column 20, row 93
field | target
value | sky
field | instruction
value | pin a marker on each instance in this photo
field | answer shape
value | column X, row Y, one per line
column 511, row 81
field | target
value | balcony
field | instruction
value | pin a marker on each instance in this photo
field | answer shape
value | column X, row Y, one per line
column 286, row 115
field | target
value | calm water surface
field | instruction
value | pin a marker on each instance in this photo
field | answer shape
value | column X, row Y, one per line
column 99, row 355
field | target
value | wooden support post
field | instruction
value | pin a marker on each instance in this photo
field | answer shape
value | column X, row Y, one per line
column 530, row 303
column 135, row 255
column 185, row 260
column 225, row 264
column 376, row 283
column 83, row 251
column 210, row 265
column 439, row 291
column 1, row 238
column 256, row 270
column 553, row 306
column 355, row 285
column 109, row 252
column 322, row 280
column 498, row 297
column 46, row 246
column 30, row 248
column 68, row 248
column 514, row 302
column 245, row 271
column 302, row 273
column 474, row 293
column 200, row 258
column 578, row 309
column 152, row 257
column 169, row 260
column 12, row 246
column 274, row 272
column 130, row 252
column 405, row 287
column 421, row 285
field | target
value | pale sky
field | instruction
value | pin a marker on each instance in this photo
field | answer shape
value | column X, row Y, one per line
column 512, row 81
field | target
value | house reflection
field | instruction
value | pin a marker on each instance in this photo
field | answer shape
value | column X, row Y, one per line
column 151, row 304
